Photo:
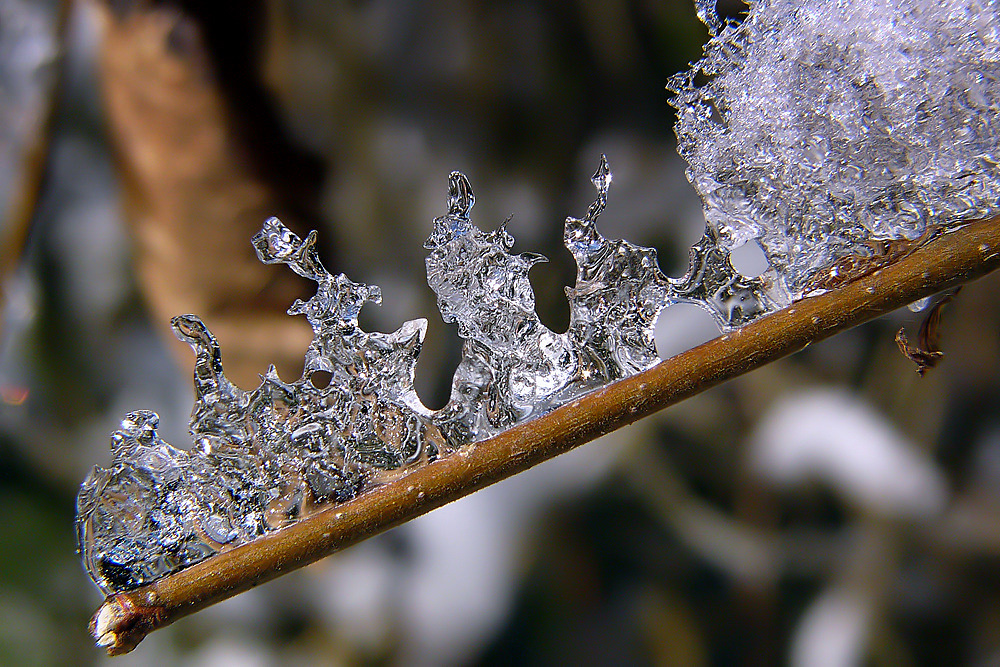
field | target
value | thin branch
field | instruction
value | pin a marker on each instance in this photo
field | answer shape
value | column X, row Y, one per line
column 951, row 259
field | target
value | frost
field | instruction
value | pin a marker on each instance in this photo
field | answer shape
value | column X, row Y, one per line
column 827, row 129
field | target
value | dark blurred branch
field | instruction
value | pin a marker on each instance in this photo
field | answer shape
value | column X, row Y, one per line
column 949, row 260
column 32, row 154
column 205, row 159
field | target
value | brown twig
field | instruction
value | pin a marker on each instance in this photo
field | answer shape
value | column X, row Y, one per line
column 951, row 259
column 927, row 352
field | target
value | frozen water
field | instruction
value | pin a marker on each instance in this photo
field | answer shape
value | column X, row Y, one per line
column 266, row 458
column 826, row 129
column 825, row 133
column 708, row 14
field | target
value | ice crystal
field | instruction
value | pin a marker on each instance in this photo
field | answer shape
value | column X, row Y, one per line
column 265, row 458
column 824, row 129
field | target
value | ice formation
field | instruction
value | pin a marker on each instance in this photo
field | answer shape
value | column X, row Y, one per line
column 823, row 130
column 265, row 458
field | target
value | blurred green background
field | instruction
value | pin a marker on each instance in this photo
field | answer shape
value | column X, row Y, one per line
column 831, row 509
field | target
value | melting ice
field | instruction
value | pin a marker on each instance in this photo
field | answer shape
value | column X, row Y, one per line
column 824, row 131
column 265, row 458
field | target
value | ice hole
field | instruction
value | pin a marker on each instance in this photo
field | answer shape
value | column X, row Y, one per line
column 548, row 283
column 749, row 259
column 320, row 379
column 442, row 349
column 369, row 318
column 683, row 326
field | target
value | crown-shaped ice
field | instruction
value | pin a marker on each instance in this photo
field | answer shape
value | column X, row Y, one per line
column 825, row 130
column 265, row 458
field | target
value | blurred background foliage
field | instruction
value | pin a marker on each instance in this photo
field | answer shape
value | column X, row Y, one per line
column 830, row 509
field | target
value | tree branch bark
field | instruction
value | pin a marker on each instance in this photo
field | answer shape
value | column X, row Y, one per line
column 953, row 258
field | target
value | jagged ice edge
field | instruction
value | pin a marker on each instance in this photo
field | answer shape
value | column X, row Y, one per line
column 265, row 458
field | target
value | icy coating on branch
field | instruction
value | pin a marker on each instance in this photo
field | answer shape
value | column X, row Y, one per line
column 266, row 458
column 824, row 130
